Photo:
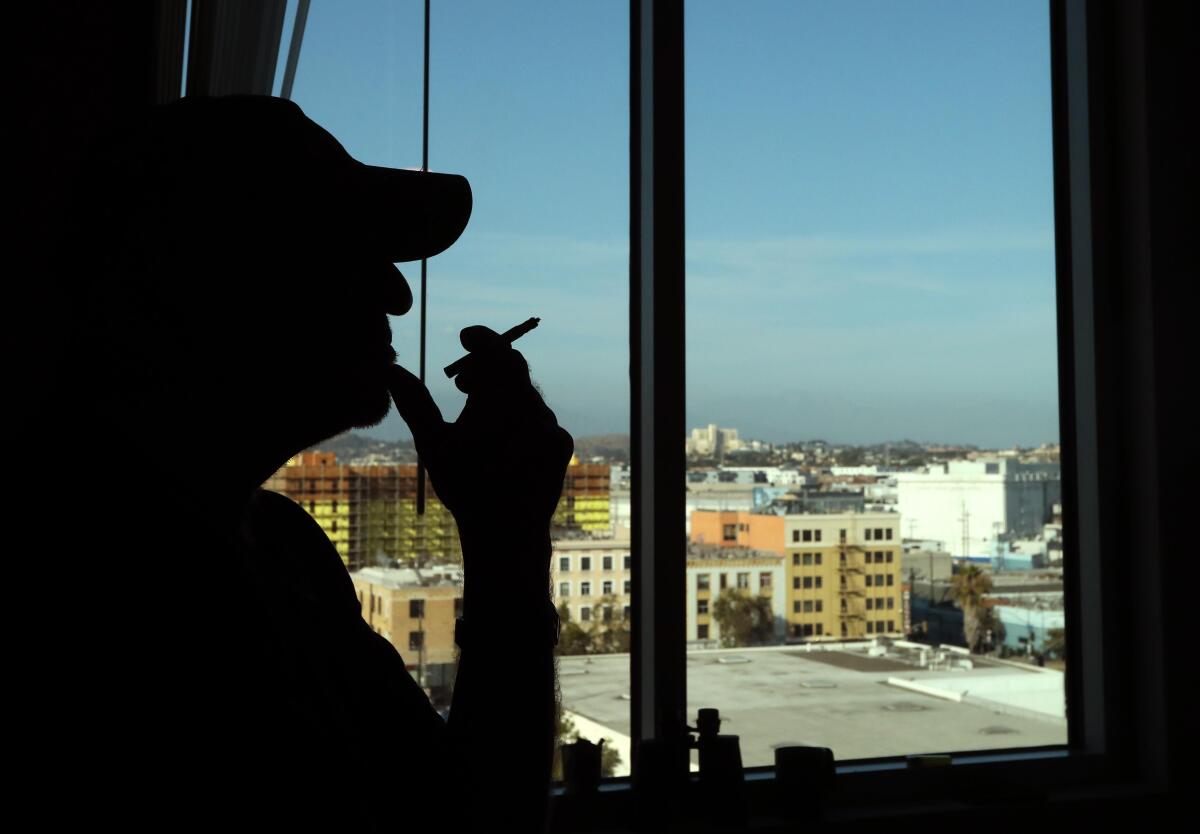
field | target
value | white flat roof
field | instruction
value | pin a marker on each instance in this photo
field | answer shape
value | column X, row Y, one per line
column 839, row 699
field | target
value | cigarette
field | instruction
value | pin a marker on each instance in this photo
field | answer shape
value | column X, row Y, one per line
column 508, row 337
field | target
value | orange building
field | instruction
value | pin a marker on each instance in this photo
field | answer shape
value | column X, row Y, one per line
column 735, row 528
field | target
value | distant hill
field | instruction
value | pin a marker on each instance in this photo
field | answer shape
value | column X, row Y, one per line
column 613, row 447
column 351, row 447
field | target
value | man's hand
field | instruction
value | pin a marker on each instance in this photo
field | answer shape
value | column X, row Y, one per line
column 503, row 460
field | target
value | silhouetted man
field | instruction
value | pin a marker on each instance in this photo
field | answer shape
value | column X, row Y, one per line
column 226, row 274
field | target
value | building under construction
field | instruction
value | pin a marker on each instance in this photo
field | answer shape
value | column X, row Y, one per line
column 370, row 512
column 585, row 506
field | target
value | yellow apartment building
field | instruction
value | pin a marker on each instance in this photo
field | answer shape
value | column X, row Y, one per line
column 843, row 575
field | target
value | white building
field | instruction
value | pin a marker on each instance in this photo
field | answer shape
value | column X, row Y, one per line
column 712, row 440
column 712, row 570
column 966, row 504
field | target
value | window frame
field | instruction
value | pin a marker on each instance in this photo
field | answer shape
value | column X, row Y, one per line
column 1101, row 755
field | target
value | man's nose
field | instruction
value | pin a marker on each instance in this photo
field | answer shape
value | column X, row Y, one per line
column 393, row 290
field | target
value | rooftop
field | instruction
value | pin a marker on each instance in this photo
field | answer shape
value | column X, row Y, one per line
column 839, row 696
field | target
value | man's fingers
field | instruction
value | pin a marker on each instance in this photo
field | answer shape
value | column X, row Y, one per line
column 480, row 338
column 416, row 407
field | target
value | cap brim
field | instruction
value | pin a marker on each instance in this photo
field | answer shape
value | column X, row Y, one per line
column 410, row 215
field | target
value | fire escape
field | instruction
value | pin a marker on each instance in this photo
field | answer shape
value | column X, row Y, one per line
column 851, row 590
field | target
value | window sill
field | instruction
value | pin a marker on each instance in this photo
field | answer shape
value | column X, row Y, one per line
column 1053, row 783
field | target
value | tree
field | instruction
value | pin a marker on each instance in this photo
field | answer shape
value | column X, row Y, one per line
column 744, row 619
column 599, row 636
column 1056, row 643
column 968, row 589
column 610, row 758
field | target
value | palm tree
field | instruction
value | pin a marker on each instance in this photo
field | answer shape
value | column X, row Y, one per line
column 968, row 588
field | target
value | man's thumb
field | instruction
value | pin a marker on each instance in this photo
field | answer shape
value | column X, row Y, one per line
column 416, row 406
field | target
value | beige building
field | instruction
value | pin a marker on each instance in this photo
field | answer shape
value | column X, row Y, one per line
column 843, row 575
column 415, row 610
column 593, row 578
column 712, row 569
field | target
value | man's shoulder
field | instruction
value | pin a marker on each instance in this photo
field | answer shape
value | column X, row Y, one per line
column 290, row 545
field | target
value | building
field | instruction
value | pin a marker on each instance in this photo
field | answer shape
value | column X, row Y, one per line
column 967, row 505
column 737, row 529
column 585, row 505
column 593, row 578
column 415, row 610
column 713, row 568
column 369, row 512
column 805, row 501
column 712, row 441
column 843, row 575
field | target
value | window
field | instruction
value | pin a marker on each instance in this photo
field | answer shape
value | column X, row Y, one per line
column 842, row 536
column 891, row 625
column 458, row 606
column 729, row 532
column 724, row 581
column 870, row 603
column 764, row 581
column 606, row 587
column 890, row 578
column 416, row 640
column 564, row 564
column 891, row 602
column 816, row 558
column 333, row 526
column 795, row 582
column 868, row 579
column 628, row 586
column 888, row 533
column 870, row 626
column 585, row 614
column 808, row 535
column 816, row 535
column 564, row 590
column 585, row 589
column 702, row 581
column 867, row 534
column 607, row 563
column 628, row 562
column 808, row 559
column 808, row 606
column 888, row 557
column 796, row 606
column 416, row 609
column 808, row 582
column 702, row 631
column 808, row 630
column 820, row 606
column 702, row 606
column 878, row 533
column 795, row 558
column 585, row 562
column 819, row 581
column 796, row 536
column 608, row 613
column 333, row 504
column 743, row 580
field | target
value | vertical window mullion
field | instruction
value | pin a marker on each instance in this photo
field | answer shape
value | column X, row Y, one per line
column 657, row 382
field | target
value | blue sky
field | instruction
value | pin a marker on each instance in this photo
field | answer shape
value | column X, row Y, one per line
column 870, row 239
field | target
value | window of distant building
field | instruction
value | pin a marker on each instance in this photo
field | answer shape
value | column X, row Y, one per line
column 585, row 614
column 702, row 631
column 564, row 590
column 808, row 536
column 416, row 609
column 702, row 581
column 702, row 606
column 743, row 580
column 564, row 563
column 628, row 586
column 606, row 587
column 585, row 589
column 729, row 533
column 416, row 640
column 764, row 580
column 585, row 562
column 606, row 563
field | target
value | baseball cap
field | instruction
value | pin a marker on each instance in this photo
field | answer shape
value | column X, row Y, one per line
column 262, row 154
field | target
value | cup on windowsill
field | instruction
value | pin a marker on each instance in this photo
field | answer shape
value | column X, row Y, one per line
column 803, row 781
column 581, row 766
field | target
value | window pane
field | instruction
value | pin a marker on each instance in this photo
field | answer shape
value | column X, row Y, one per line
column 870, row 259
column 529, row 101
